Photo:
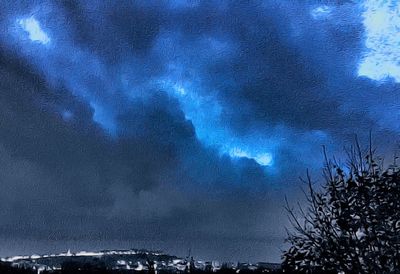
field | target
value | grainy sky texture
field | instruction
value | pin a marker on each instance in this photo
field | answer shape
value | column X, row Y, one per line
column 182, row 124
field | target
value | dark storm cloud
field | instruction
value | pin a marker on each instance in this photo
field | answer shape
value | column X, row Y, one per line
column 134, row 27
column 121, row 125
column 275, row 79
column 66, row 179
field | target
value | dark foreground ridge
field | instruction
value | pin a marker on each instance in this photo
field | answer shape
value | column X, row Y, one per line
column 124, row 261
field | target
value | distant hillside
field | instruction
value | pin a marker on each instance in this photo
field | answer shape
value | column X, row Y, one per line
column 123, row 261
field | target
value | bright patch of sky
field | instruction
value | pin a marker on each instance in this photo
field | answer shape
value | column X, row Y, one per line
column 321, row 12
column 264, row 159
column 381, row 60
column 35, row 32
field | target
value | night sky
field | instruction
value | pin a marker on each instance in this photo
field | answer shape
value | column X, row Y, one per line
column 183, row 124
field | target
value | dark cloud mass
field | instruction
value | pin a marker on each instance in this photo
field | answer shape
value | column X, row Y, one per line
column 175, row 124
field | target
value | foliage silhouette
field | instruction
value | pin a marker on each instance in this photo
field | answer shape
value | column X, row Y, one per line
column 352, row 225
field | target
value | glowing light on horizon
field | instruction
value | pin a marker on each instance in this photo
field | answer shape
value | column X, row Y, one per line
column 381, row 21
column 32, row 27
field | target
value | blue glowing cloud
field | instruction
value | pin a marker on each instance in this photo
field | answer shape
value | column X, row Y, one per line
column 264, row 159
column 205, row 114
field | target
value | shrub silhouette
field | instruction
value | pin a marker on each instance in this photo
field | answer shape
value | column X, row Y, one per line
column 352, row 225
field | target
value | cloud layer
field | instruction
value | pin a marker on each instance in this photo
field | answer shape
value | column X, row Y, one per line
column 157, row 123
